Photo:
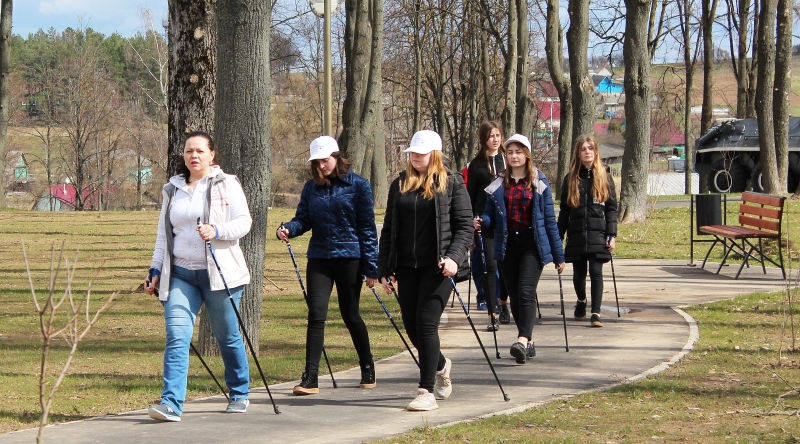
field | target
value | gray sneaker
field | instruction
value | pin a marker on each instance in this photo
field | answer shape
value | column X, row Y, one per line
column 237, row 406
column 163, row 412
column 423, row 402
column 443, row 386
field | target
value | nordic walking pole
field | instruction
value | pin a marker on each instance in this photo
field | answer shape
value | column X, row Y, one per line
column 486, row 292
column 563, row 313
column 614, row 277
column 209, row 371
column 391, row 319
column 305, row 296
column 489, row 361
column 241, row 324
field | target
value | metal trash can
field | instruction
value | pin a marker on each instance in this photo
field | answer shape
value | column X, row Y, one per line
column 708, row 210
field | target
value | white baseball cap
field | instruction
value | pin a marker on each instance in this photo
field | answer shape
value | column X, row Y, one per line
column 322, row 147
column 518, row 138
column 424, row 142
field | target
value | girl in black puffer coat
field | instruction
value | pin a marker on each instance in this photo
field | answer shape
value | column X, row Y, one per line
column 588, row 217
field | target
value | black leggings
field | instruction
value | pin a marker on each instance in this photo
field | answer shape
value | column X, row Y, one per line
column 595, row 268
column 321, row 275
column 423, row 293
column 521, row 269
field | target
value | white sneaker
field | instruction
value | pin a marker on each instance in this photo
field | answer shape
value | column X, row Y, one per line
column 423, row 402
column 442, row 387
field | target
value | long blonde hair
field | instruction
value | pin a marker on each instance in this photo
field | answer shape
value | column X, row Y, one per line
column 600, row 181
column 530, row 168
column 414, row 180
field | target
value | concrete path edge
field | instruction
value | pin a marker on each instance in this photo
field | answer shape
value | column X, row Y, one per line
column 694, row 336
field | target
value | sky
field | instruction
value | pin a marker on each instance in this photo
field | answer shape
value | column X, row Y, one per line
column 104, row 16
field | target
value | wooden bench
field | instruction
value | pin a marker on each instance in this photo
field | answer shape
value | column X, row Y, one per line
column 760, row 217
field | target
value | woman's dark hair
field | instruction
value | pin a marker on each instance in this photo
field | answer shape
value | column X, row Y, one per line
column 183, row 170
column 342, row 168
column 483, row 136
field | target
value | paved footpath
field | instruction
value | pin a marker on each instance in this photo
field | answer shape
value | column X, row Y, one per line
column 645, row 339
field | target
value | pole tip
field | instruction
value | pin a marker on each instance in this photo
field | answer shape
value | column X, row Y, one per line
column 506, row 398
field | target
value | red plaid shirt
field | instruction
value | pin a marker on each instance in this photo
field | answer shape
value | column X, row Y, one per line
column 519, row 205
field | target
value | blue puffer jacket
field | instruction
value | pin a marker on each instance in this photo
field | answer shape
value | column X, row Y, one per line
column 342, row 220
column 544, row 219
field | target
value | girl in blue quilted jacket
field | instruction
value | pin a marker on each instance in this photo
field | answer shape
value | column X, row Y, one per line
column 520, row 209
column 337, row 206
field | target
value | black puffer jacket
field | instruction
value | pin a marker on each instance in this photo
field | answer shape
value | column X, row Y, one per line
column 587, row 226
column 453, row 224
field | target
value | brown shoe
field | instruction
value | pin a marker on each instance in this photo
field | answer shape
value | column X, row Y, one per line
column 596, row 320
column 308, row 385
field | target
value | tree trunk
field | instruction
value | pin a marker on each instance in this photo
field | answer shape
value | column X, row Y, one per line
column 362, row 137
column 707, row 20
column 510, row 71
column 684, row 7
column 192, row 81
column 583, row 111
column 636, row 53
column 744, row 62
column 752, row 80
column 489, row 103
column 192, row 89
column 524, row 105
column 765, row 52
column 554, row 49
column 242, row 129
column 783, row 87
column 5, row 70
column 417, row 69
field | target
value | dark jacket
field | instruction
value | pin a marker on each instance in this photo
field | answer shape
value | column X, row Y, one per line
column 341, row 218
column 588, row 226
column 545, row 230
column 453, row 224
column 479, row 177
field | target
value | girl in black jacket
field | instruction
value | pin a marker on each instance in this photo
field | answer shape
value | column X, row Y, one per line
column 426, row 234
column 589, row 218
column 483, row 169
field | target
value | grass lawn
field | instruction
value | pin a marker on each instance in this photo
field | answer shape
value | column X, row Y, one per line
column 719, row 393
column 118, row 365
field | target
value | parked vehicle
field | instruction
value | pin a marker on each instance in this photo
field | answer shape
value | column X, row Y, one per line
column 729, row 153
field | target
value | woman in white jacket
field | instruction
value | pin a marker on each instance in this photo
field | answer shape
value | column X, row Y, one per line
column 189, row 277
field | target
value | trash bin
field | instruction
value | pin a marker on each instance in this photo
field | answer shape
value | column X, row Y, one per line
column 708, row 210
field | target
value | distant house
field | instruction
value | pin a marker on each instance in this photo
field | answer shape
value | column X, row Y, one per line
column 16, row 172
column 65, row 198
column 550, row 114
column 607, row 85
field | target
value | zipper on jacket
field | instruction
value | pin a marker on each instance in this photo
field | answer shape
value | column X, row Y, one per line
column 414, row 249
column 586, row 212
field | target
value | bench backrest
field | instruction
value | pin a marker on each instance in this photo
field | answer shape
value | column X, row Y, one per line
column 761, row 211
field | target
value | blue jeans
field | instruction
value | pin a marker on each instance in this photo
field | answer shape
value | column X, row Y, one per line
column 188, row 290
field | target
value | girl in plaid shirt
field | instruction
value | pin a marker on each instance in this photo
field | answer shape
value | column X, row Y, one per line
column 520, row 208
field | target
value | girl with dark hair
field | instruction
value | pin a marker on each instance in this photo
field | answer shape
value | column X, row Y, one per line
column 189, row 279
column 483, row 169
column 588, row 217
column 520, row 209
column 337, row 206
column 426, row 234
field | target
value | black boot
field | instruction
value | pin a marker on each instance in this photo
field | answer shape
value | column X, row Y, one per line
column 308, row 385
column 368, row 375
column 580, row 309
column 505, row 316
